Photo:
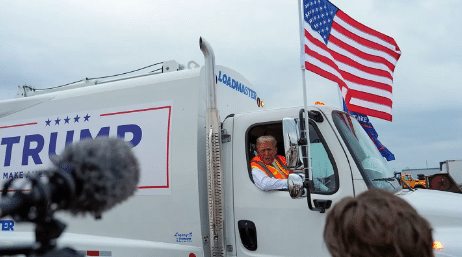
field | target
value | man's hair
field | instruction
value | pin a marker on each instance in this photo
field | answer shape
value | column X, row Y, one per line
column 377, row 224
column 263, row 139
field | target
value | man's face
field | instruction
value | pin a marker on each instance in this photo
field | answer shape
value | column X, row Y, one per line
column 267, row 151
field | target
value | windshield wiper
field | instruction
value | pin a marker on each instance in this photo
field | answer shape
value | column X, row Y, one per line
column 384, row 179
column 387, row 180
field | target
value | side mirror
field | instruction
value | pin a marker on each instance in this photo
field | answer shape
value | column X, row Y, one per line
column 290, row 133
column 295, row 185
column 299, row 185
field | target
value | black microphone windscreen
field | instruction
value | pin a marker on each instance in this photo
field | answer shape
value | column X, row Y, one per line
column 105, row 171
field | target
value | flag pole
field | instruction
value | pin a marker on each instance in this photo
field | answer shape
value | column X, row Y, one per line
column 340, row 98
column 302, row 65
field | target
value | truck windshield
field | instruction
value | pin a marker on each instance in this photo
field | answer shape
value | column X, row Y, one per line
column 373, row 167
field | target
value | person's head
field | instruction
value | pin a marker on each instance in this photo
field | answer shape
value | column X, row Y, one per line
column 266, row 149
column 377, row 224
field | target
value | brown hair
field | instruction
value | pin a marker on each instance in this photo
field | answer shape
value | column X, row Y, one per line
column 377, row 224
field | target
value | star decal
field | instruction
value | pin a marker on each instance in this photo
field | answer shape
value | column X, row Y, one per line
column 67, row 120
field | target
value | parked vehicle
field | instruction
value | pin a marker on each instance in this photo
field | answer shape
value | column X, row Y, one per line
column 414, row 183
column 453, row 168
column 194, row 130
column 439, row 181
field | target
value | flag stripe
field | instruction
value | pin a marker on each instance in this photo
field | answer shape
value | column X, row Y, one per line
column 371, row 97
column 319, row 69
column 326, row 71
column 354, row 70
column 373, row 65
column 365, row 42
column 370, row 105
column 364, row 68
column 360, row 27
column 371, row 112
column 362, row 48
column 370, row 90
column 362, row 55
column 365, row 82
column 322, row 60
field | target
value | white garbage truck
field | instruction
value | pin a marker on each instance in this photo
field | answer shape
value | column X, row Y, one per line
column 193, row 130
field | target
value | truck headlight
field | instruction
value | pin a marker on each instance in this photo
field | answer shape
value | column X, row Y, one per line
column 437, row 245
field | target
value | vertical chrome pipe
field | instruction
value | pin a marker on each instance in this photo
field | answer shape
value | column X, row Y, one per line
column 214, row 171
column 210, row 73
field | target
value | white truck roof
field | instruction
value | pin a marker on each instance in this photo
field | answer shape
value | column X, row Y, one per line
column 234, row 92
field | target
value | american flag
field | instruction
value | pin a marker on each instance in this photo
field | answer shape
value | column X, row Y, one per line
column 361, row 60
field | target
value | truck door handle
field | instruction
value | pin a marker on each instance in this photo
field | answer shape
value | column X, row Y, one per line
column 322, row 204
column 248, row 233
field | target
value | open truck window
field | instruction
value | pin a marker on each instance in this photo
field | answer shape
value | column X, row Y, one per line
column 324, row 169
column 267, row 129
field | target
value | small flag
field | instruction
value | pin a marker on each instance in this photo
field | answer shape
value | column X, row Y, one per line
column 361, row 60
column 367, row 126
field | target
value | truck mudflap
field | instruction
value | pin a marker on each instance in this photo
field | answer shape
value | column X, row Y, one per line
column 443, row 182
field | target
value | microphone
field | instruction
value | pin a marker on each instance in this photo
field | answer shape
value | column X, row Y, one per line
column 90, row 176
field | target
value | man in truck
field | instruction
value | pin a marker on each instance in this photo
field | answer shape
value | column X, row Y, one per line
column 269, row 170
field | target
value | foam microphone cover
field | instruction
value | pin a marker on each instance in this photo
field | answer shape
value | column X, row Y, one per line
column 105, row 172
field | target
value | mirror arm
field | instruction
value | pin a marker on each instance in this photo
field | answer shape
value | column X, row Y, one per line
column 308, row 183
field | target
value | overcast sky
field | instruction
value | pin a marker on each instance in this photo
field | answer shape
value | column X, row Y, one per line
column 50, row 43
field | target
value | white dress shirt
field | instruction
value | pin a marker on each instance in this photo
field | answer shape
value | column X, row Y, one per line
column 266, row 183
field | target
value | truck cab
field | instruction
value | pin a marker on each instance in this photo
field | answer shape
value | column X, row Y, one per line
column 264, row 219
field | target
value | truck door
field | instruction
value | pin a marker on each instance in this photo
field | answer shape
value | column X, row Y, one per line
column 271, row 223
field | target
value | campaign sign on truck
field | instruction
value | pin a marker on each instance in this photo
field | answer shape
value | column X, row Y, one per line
column 27, row 146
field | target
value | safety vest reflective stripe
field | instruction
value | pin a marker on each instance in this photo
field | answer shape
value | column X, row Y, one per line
column 263, row 167
column 279, row 173
column 282, row 166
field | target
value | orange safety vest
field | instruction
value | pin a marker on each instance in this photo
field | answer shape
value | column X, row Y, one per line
column 270, row 171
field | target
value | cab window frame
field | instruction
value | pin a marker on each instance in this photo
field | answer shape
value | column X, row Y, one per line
column 247, row 143
column 281, row 151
